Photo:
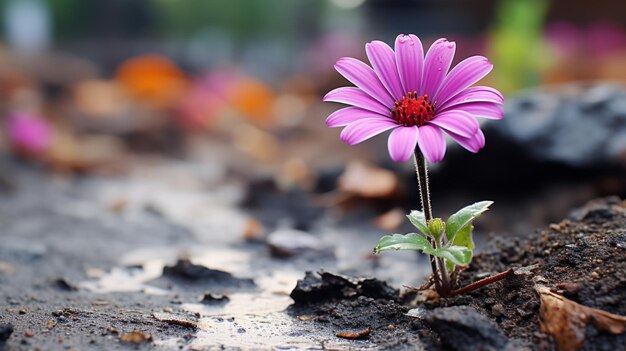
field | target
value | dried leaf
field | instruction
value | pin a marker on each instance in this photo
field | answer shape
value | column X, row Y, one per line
column 566, row 320
column 354, row 334
column 136, row 337
column 173, row 319
column 368, row 181
column 391, row 220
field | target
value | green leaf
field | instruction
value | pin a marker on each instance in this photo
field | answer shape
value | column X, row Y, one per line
column 418, row 219
column 464, row 216
column 412, row 241
column 459, row 255
column 464, row 237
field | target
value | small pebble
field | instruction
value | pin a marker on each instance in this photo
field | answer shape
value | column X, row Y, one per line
column 51, row 324
column 497, row 310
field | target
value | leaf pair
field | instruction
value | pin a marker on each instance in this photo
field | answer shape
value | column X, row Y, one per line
column 460, row 255
column 458, row 230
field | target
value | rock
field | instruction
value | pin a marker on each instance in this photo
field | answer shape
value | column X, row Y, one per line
column 461, row 326
column 577, row 125
column 63, row 284
column 5, row 332
column 289, row 242
column 187, row 271
column 265, row 200
column 599, row 210
column 211, row 299
column 326, row 286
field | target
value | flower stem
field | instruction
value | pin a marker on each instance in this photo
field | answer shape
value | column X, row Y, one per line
column 440, row 274
column 422, row 181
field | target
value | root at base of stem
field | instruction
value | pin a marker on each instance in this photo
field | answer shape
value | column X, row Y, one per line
column 481, row 283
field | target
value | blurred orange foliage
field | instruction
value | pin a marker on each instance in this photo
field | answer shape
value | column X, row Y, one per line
column 152, row 79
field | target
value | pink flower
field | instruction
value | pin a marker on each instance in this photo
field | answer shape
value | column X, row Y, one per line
column 29, row 132
column 416, row 97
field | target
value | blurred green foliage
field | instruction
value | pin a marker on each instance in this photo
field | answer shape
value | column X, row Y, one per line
column 516, row 44
column 238, row 17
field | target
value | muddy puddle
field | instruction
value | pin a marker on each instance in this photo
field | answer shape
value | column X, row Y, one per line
column 252, row 317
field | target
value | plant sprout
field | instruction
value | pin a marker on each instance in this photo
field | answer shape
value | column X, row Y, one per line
column 419, row 98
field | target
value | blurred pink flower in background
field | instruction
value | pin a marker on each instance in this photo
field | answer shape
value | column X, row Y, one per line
column 416, row 97
column 200, row 105
column 28, row 132
column 599, row 39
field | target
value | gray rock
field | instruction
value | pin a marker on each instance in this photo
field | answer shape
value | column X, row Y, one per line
column 5, row 332
column 461, row 326
column 578, row 125
column 187, row 271
column 289, row 242
column 325, row 286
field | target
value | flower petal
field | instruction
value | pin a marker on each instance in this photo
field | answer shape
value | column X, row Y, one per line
column 466, row 73
column 347, row 115
column 356, row 97
column 363, row 76
column 364, row 129
column 402, row 142
column 436, row 65
column 432, row 143
column 458, row 122
column 410, row 61
column 480, row 109
column 475, row 94
column 383, row 60
column 472, row 144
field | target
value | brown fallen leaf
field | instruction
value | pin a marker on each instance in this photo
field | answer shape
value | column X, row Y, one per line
column 354, row 334
column 566, row 320
column 173, row 319
column 136, row 337
column 390, row 220
column 253, row 230
column 368, row 181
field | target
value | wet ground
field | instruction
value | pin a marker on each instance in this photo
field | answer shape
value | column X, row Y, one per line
column 82, row 263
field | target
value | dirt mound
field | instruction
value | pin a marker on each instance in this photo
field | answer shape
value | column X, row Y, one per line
column 582, row 259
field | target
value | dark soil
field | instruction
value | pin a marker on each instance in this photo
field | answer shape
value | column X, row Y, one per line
column 582, row 258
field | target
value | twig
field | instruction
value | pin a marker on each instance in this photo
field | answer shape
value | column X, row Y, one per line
column 424, row 286
column 482, row 282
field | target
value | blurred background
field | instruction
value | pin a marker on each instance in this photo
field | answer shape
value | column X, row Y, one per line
column 172, row 88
